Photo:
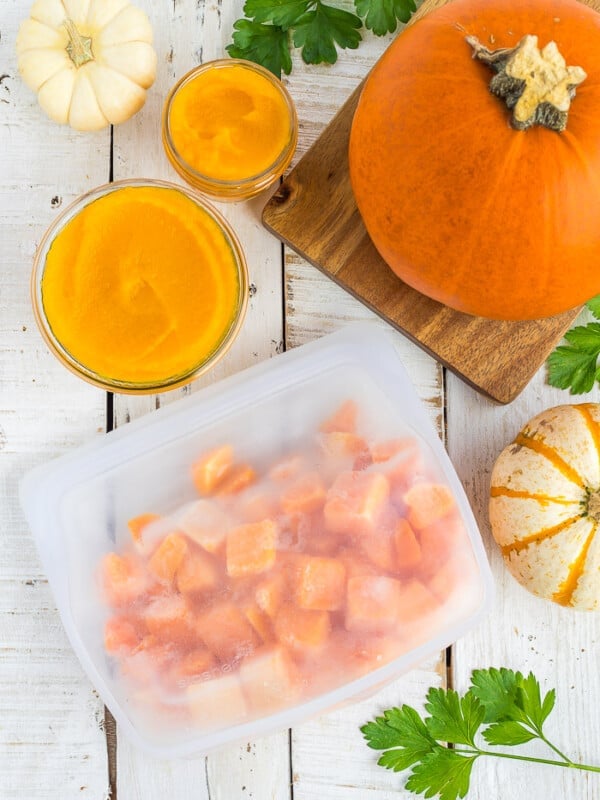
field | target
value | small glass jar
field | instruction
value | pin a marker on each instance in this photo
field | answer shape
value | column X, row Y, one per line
column 231, row 126
column 201, row 358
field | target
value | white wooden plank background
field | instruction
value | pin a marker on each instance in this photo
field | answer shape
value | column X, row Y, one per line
column 51, row 740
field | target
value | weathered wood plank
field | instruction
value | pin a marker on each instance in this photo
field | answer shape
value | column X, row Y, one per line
column 51, row 738
column 187, row 34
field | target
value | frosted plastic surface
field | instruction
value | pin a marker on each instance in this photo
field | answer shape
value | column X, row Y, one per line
column 79, row 507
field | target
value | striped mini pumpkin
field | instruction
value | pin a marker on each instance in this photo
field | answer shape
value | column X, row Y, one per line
column 545, row 505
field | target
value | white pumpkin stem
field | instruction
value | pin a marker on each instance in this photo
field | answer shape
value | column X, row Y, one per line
column 536, row 85
column 79, row 47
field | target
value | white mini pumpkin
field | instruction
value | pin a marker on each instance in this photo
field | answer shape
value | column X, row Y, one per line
column 90, row 61
column 545, row 505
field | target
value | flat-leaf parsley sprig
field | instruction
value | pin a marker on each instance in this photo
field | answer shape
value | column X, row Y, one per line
column 574, row 366
column 502, row 706
column 270, row 27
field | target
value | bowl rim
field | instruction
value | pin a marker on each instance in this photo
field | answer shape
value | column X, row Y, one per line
column 124, row 386
column 244, row 187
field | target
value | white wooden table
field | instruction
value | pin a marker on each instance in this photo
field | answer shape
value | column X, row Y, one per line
column 55, row 740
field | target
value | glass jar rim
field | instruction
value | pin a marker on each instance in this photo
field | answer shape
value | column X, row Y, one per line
column 115, row 384
column 282, row 159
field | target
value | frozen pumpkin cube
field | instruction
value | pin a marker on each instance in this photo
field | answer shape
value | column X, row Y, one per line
column 270, row 592
column 250, row 549
column 256, row 505
column 238, row 478
column 259, row 620
column 408, row 549
column 197, row 664
column 342, row 445
column 373, row 603
column 217, row 702
column 168, row 557
column 355, row 564
column 378, row 545
column 305, row 495
column 169, row 618
column 269, row 679
column 123, row 579
column 210, row 470
column 300, row 629
column 321, row 584
column 427, row 503
column 287, row 468
column 205, row 523
column 438, row 542
column 137, row 524
column 416, row 601
column 403, row 462
column 227, row 633
column 343, row 420
column 121, row 635
column 198, row 572
column 355, row 502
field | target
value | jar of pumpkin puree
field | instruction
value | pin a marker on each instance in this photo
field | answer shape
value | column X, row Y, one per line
column 139, row 286
column 229, row 128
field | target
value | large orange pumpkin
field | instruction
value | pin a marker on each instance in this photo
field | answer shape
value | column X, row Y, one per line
column 490, row 220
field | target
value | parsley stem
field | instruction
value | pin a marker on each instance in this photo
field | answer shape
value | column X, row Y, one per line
column 556, row 750
column 567, row 763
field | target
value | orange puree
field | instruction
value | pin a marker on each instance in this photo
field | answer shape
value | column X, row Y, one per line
column 229, row 122
column 141, row 285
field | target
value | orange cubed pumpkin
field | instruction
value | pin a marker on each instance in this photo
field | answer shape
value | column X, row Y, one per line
column 121, row 635
column 378, row 545
column 270, row 592
column 259, row 620
column 287, row 468
column 217, row 702
column 238, row 478
column 270, row 679
column 123, row 579
column 226, row 632
column 197, row 573
column 438, row 542
column 168, row 557
column 137, row 524
column 343, row 420
column 408, row 549
column 205, row 524
column 416, row 602
column 300, row 629
column 197, row 663
column 427, row 503
column 321, row 584
column 256, row 505
column 373, row 603
column 250, row 549
column 355, row 502
column 342, row 445
column 169, row 618
column 305, row 495
column 210, row 470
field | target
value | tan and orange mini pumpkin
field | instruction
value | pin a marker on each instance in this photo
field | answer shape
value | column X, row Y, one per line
column 545, row 505
column 494, row 212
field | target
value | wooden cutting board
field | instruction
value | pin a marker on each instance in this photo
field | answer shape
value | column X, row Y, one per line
column 314, row 213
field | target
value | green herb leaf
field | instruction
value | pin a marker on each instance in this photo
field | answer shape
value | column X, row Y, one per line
column 267, row 45
column 318, row 31
column 401, row 729
column 594, row 306
column 529, row 700
column 508, row 733
column 381, row 16
column 453, row 718
column 570, row 367
column 496, row 690
column 444, row 773
column 280, row 12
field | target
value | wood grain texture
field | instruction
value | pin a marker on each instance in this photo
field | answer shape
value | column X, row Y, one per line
column 314, row 213
column 52, row 743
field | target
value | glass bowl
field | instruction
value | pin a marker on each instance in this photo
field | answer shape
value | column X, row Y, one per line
column 242, row 187
column 221, row 336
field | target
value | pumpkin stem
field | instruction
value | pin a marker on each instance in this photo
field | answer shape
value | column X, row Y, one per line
column 593, row 505
column 79, row 47
column 536, row 85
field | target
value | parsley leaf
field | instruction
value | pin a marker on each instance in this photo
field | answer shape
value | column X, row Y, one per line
column 529, row 700
column 453, row 718
column 280, row 12
column 319, row 30
column 381, row 16
column 594, row 306
column 264, row 44
column 401, row 729
column 574, row 365
column 496, row 690
column 443, row 772
column 508, row 733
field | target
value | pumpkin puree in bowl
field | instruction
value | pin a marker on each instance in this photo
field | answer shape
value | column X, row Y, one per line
column 141, row 285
